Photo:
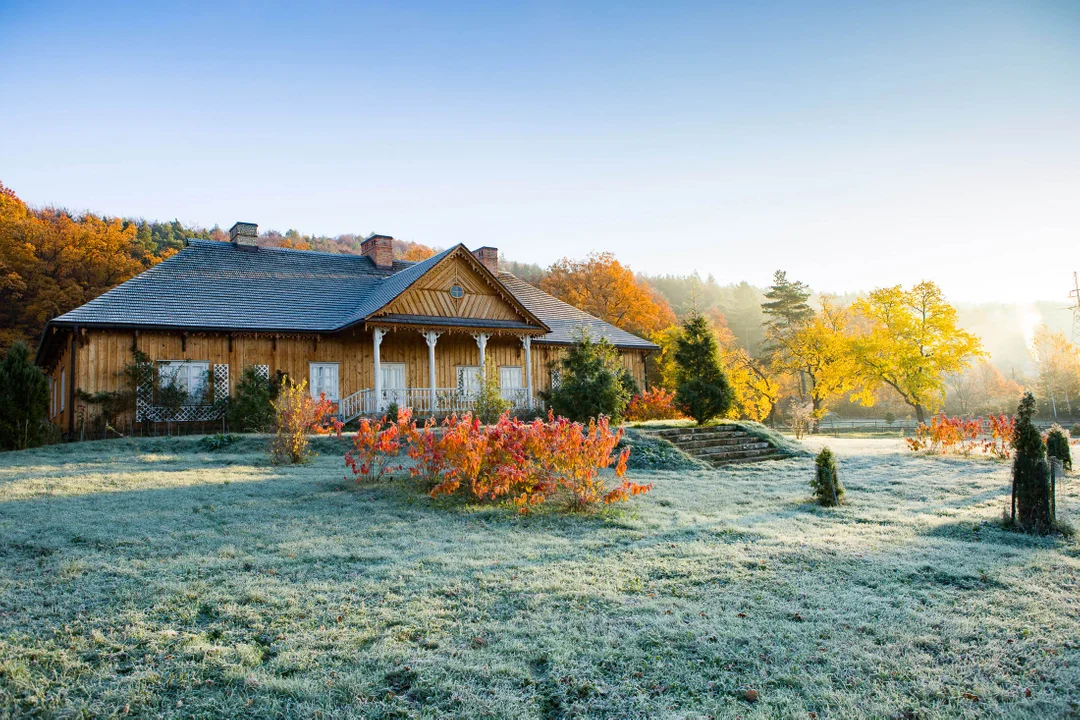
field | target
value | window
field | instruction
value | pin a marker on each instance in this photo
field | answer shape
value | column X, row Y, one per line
column 510, row 383
column 52, row 396
column 324, row 379
column 62, row 388
column 468, row 379
column 510, row 378
column 188, row 375
column 457, row 292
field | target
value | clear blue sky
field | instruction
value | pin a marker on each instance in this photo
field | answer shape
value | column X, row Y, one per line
column 855, row 144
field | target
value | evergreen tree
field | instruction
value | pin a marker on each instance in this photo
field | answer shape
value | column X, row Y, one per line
column 592, row 382
column 1030, row 501
column 702, row 390
column 828, row 490
column 1057, row 446
column 24, row 400
column 787, row 306
column 250, row 408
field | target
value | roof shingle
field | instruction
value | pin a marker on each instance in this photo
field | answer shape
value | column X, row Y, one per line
column 219, row 286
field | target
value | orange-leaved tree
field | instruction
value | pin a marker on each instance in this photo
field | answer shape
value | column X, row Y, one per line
column 602, row 286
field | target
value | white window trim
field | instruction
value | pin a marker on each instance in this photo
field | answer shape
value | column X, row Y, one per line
column 62, row 394
column 336, row 396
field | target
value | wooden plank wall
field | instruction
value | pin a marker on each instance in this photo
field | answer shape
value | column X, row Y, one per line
column 102, row 354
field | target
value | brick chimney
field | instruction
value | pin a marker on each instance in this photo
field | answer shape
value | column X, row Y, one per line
column 380, row 248
column 489, row 256
column 243, row 233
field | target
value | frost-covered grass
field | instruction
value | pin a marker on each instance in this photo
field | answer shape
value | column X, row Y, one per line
column 160, row 580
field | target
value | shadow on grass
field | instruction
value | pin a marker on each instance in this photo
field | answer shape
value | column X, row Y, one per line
column 995, row 533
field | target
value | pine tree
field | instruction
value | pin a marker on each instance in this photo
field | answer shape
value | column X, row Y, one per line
column 1030, row 501
column 702, row 390
column 786, row 306
column 24, row 400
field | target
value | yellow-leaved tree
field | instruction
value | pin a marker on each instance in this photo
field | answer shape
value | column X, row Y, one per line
column 909, row 341
column 821, row 351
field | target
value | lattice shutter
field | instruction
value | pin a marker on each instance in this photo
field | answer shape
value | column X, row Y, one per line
column 556, row 378
column 262, row 371
column 221, row 383
column 144, row 397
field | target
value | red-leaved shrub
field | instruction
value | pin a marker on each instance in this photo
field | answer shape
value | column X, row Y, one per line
column 992, row 435
column 523, row 463
column 655, row 404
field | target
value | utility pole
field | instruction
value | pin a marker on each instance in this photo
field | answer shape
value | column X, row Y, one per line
column 1075, row 306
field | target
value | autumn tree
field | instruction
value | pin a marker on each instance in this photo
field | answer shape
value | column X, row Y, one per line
column 52, row 261
column 910, row 342
column 1057, row 363
column 602, row 286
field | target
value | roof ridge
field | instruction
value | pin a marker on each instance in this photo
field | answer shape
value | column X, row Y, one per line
column 276, row 248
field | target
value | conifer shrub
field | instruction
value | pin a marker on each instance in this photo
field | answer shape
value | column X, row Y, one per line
column 594, row 383
column 828, row 490
column 1031, row 473
column 702, row 390
column 251, row 406
column 24, row 400
column 1057, row 446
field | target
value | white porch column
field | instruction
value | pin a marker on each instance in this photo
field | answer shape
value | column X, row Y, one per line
column 526, row 341
column 481, row 342
column 432, row 337
column 376, row 341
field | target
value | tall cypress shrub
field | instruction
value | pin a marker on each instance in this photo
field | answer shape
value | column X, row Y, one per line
column 702, row 390
column 1031, row 473
column 24, row 400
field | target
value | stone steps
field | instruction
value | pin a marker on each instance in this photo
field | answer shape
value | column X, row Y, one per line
column 720, row 444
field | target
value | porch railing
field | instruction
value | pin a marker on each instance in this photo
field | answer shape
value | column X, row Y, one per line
column 447, row 401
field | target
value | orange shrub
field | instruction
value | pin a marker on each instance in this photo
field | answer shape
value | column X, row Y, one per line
column 655, row 404
column 522, row 463
column 296, row 414
column 376, row 445
column 945, row 434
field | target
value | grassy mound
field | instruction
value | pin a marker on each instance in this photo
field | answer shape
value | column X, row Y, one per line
column 648, row 452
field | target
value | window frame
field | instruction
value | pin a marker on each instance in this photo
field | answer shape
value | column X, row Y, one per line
column 312, row 366
column 197, row 396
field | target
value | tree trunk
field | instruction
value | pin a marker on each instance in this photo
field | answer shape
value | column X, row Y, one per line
column 920, row 413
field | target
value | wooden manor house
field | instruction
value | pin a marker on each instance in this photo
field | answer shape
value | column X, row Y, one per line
column 366, row 330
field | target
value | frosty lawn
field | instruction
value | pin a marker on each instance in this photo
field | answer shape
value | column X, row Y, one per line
column 160, row 579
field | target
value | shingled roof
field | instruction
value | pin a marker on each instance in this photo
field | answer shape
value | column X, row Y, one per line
column 219, row 286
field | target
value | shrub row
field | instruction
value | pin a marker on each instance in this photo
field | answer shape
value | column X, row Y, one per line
column 525, row 464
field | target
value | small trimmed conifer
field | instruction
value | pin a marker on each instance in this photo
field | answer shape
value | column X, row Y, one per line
column 24, row 400
column 828, row 490
column 1031, row 486
column 1057, row 446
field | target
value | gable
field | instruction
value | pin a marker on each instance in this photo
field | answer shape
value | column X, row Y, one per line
column 483, row 299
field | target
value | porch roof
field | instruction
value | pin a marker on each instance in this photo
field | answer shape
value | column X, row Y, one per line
column 462, row 322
